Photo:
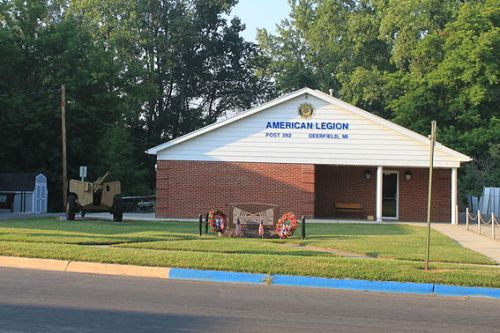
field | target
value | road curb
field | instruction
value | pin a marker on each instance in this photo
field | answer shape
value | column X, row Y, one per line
column 216, row 276
column 115, row 269
column 252, row 278
column 84, row 267
column 447, row 290
column 364, row 285
column 34, row 263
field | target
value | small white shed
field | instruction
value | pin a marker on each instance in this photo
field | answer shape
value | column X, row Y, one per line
column 23, row 193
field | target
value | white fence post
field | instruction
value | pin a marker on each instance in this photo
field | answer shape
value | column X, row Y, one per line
column 467, row 218
column 478, row 221
column 492, row 225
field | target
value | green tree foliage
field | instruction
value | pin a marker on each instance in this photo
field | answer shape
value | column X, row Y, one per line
column 136, row 73
column 409, row 61
column 455, row 80
column 122, row 163
column 40, row 51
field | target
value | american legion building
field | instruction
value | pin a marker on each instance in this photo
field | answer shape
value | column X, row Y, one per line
column 312, row 154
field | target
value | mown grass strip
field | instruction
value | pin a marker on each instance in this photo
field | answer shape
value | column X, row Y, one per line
column 176, row 244
column 323, row 266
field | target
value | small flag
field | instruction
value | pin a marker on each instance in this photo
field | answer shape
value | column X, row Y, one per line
column 237, row 230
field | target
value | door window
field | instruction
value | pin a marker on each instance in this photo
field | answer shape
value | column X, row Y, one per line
column 390, row 195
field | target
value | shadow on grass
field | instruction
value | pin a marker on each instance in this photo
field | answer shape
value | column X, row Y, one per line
column 244, row 251
column 328, row 230
column 86, row 239
column 101, row 227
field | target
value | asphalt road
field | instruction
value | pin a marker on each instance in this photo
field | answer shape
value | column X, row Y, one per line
column 35, row 301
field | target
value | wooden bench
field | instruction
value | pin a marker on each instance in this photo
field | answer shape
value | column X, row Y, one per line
column 348, row 207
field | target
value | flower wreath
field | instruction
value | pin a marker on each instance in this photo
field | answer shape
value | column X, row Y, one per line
column 217, row 220
column 286, row 225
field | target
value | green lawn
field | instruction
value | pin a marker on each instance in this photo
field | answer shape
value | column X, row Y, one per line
column 393, row 252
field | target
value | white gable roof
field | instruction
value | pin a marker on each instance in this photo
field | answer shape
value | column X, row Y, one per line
column 369, row 140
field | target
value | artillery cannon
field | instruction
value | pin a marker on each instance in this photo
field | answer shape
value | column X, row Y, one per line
column 95, row 196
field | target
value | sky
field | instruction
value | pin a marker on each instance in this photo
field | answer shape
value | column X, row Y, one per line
column 260, row 14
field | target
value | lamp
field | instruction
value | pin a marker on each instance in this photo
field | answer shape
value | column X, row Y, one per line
column 368, row 174
column 408, row 175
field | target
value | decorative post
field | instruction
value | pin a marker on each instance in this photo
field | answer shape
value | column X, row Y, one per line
column 200, row 223
column 492, row 225
column 467, row 218
column 303, row 234
column 478, row 221
column 206, row 224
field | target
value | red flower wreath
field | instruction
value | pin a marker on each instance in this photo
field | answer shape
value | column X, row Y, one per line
column 217, row 220
column 286, row 226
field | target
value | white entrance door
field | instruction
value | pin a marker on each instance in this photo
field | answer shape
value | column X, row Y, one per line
column 390, row 195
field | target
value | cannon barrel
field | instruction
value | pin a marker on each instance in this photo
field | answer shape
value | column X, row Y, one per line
column 100, row 180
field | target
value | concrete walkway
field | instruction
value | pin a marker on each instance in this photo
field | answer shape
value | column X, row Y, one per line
column 17, row 216
column 127, row 216
column 479, row 243
column 133, row 217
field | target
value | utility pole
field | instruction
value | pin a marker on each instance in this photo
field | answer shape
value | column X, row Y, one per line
column 431, row 166
column 64, row 166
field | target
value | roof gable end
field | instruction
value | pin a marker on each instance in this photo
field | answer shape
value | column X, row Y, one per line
column 325, row 98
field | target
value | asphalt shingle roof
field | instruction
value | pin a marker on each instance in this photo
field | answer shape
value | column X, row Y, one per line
column 17, row 181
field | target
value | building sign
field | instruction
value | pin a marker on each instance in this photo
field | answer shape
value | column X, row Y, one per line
column 307, row 125
column 307, row 129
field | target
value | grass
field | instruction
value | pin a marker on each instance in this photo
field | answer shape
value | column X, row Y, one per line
column 394, row 252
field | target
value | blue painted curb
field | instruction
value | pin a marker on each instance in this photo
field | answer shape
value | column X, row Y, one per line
column 445, row 290
column 366, row 285
column 215, row 276
column 318, row 282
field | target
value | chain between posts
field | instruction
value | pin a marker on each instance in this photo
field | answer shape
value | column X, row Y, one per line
column 480, row 220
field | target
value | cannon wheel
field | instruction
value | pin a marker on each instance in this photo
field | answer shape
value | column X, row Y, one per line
column 71, row 208
column 117, row 209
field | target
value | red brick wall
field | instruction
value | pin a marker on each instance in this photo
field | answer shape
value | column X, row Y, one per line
column 348, row 184
column 413, row 195
column 344, row 184
column 188, row 188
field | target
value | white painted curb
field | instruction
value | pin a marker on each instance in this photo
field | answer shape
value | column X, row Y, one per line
column 84, row 267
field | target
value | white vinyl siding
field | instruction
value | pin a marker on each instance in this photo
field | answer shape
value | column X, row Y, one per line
column 369, row 143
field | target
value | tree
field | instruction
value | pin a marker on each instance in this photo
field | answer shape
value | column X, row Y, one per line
column 47, row 49
column 459, row 88
column 183, row 65
column 409, row 61
column 136, row 72
column 119, row 155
